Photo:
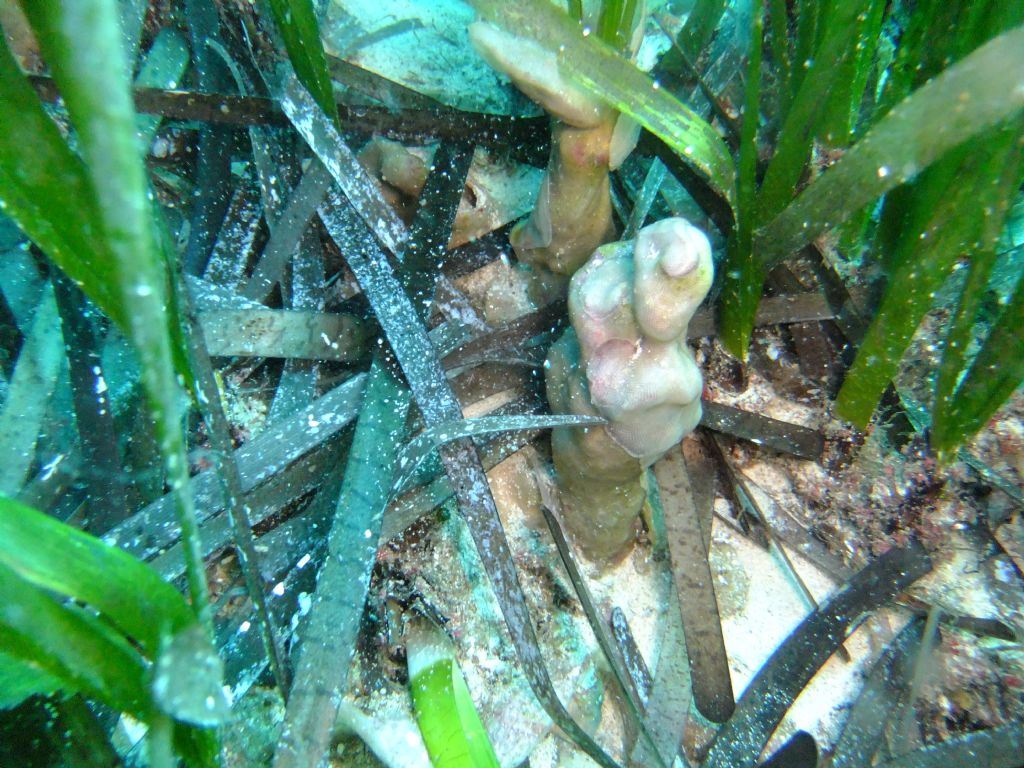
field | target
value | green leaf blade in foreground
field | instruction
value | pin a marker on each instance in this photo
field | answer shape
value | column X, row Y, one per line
column 20, row 679
column 624, row 87
column 838, row 128
column 82, row 44
column 57, row 557
column 993, row 376
column 72, row 646
column 103, row 115
column 40, row 177
column 296, row 20
column 980, row 91
column 819, row 99
column 448, row 721
column 451, row 728
column 597, row 68
column 995, row 214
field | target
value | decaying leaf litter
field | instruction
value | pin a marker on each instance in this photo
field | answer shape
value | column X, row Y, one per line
column 834, row 504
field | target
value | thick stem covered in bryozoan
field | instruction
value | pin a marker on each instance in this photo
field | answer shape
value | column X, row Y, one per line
column 573, row 214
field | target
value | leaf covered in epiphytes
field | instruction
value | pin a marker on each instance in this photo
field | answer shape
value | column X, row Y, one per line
column 188, row 679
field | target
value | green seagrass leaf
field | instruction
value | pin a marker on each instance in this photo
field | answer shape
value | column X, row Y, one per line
column 54, row 556
column 71, row 645
column 296, row 19
column 980, row 91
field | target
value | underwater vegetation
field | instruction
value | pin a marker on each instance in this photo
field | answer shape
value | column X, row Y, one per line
column 182, row 199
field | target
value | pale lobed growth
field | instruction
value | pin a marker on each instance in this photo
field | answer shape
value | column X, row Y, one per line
column 626, row 358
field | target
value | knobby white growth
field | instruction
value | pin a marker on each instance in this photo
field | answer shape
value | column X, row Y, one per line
column 626, row 359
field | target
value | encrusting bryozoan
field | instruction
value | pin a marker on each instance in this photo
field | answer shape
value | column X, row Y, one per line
column 625, row 358
column 573, row 214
